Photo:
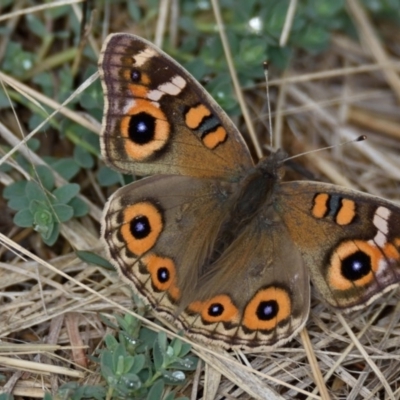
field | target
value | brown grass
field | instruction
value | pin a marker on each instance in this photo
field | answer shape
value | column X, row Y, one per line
column 50, row 299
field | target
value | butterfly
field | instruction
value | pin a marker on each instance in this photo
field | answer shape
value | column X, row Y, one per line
column 210, row 240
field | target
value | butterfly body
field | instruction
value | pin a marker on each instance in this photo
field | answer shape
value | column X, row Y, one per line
column 213, row 242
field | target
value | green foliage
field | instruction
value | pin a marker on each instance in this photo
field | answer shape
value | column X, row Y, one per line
column 92, row 258
column 42, row 206
column 141, row 363
column 138, row 364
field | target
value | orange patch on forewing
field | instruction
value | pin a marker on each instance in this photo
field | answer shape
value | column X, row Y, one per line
column 212, row 139
column 145, row 79
column 320, row 205
column 154, row 218
column 391, row 251
column 138, row 91
column 346, row 213
column 195, row 115
column 162, row 131
column 153, row 264
column 282, row 298
column 335, row 278
column 230, row 312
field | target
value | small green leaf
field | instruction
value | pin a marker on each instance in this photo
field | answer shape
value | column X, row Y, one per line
column 111, row 342
column 92, row 258
column 66, row 193
column 36, row 26
column 156, row 390
column 162, row 341
column 176, row 344
column 33, row 144
column 138, row 365
column 18, row 203
column 52, row 235
column 45, row 176
column 79, row 206
column 106, row 320
column 16, row 189
column 186, row 347
column 23, row 218
column 158, row 355
column 42, row 218
column 34, row 191
column 63, row 212
column 107, row 177
column 83, row 157
column 66, row 167
column 38, row 206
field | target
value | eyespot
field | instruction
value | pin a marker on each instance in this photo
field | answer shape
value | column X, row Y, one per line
column 142, row 225
column 217, row 309
column 162, row 271
column 135, row 75
column 267, row 309
column 145, row 129
column 353, row 263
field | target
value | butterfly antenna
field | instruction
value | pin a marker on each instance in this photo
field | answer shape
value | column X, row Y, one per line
column 358, row 139
column 265, row 66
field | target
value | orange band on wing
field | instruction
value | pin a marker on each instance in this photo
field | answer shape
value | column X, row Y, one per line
column 195, row 116
column 320, row 205
column 212, row 139
column 346, row 213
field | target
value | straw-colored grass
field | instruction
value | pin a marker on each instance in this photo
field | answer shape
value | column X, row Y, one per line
column 50, row 300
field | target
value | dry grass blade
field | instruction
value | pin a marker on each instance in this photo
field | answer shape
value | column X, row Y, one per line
column 53, row 305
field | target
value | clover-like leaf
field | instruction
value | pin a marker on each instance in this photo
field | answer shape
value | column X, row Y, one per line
column 46, row 176
column 66, row 193
column 23, row 218
column 63, row 212
column 34, row 191
column 18, row 203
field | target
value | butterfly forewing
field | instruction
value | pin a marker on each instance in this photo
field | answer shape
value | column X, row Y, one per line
column 158, row 119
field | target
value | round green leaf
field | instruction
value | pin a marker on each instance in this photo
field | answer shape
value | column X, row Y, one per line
column 18, row 203
column 107, row 177
column 83, row 157
column 34, row 191
column 66, row 193
column 45, row 176
column 16, row 189
column 79, row 206
column 23, row 218
column 63, row 212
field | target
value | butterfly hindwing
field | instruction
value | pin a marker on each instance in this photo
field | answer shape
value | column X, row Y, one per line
column 350, row 241
column 155, row 238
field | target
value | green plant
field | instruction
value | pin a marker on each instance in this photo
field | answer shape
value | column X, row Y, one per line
column 141, row 363
column 42, row 206
column 138, row 364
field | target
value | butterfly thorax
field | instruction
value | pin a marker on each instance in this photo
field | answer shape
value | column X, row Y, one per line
column 254, row 192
